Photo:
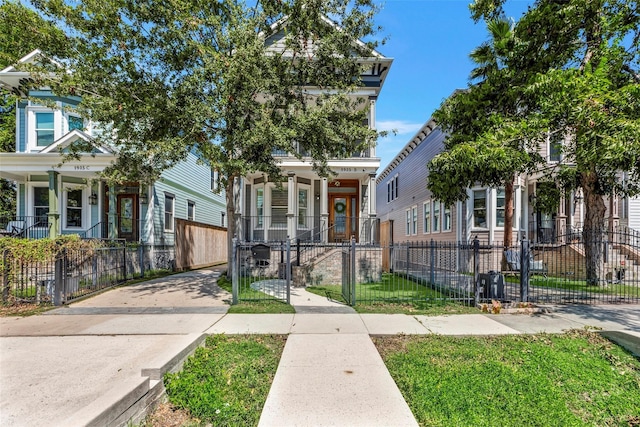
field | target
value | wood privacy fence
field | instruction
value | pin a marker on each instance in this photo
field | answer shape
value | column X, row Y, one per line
column 199, row 245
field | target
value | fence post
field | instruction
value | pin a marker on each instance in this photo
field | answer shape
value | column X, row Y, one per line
column 58, row 288
column 298, row 252
column 5, row 275
column 476, row 268
column 287, row 273
column 234, row 271
column 124, row 261
column 141, row 259
column 353, row 272
column 524, row 270
column 432, row 261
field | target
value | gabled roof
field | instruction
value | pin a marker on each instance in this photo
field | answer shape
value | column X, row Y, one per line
column 11, row 78
column 63, row 142
column 417, row 139
column 379, row 63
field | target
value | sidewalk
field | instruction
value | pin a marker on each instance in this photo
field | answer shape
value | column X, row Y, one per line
column 100, row 361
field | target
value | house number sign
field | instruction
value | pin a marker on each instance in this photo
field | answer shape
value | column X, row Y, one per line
column 81, row 168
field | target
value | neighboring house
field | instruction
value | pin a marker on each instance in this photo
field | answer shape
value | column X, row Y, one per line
column 307, row 206
column 408, row 212
column 56, row 198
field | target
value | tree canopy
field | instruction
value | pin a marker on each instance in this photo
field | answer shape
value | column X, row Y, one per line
column 229, row 80
column 574, row 77
column 21, row 31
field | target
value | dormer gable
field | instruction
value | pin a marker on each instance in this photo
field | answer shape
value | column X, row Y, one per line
column 61, row 145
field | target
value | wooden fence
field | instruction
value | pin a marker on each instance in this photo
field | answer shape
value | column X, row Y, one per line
column 199, row 245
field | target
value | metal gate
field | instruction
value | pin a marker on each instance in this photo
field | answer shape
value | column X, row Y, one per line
column 261, row 271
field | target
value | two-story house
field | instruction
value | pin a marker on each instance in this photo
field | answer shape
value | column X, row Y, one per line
column 310, row 207
column 408, row 212
column 64, row 197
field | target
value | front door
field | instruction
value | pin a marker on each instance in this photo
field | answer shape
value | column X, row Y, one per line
column 128, row 217
column 342, row 217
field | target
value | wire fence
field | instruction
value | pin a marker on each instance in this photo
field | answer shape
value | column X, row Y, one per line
column 74, row 273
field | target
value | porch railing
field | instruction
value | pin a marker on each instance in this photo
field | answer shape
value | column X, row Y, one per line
column 26, row 227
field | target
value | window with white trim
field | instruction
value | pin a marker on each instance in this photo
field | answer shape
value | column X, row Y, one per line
column 41, row 204
column 73, row 208
column 279, row 206
column 480, row 208
column 414, row 220
column 407, row 229
column 215, row 180
column 191, row 210
column 303, row 207
column 260, row 207
column 392, row 189
column 426, row 217
column 555, row 148
column 500, row 207
column 436, row 217
column 169, row 210
column 45, row 130
column 446, row 218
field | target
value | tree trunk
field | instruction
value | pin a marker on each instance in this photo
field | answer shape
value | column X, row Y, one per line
column 231, row 220
column 593, row 231
column 508, row 214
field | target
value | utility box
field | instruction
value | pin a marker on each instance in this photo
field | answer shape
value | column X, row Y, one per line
column 491, row 286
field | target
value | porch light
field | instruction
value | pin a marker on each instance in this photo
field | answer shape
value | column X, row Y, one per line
column 144, row 198
column 578, row 198
column 93, row 199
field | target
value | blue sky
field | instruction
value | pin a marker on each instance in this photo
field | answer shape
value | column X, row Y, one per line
column 430, row 41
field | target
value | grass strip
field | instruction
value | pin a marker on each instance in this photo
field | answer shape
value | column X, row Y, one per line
column 573, row 379
column 226, row 382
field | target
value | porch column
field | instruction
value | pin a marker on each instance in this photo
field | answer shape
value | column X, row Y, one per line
column 291, row 214
column 372, row 124
column 324, row 213
column 112, row 229
column 54, row 205
column 373, row 225
column 614, row 218
column 561, row 221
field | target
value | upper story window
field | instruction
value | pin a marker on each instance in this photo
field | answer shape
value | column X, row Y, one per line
column 215, row 180
column 44, row 126
column 407, row 229
column 75, row 122
column 414, row 220
column 480, row 208
column 392, row 189
column 555, row 148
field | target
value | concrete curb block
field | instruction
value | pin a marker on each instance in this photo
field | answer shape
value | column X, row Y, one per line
column 175, row 362
column 628, row 340
column 107, row 408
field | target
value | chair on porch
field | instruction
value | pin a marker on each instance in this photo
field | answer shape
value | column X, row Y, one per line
column 512, row 258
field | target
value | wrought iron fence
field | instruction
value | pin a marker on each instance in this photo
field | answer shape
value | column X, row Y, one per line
column 571, row 270
column 74, row 273
column 26, row 227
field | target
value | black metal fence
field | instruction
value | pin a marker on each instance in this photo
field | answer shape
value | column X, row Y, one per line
column 573, row 269
column 74, row 273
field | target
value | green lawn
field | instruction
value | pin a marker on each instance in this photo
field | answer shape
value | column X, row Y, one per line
column 574, row 379
column 226, row 382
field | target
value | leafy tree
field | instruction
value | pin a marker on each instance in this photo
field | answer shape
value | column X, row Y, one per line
column 581, row 62
column 483, row 145
column 21, row 31
column 193, row 75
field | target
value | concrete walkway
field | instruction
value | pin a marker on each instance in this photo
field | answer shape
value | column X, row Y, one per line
column 100, row 361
